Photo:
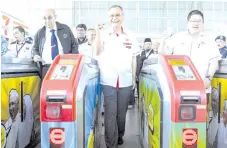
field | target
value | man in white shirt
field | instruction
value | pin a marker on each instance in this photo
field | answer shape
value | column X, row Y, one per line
column 117, row 48
column 51, row 40
column 13, row 124
column 198, row 45
column 87, row 48
column 21, row 47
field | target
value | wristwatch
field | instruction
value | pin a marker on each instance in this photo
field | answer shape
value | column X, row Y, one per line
column 209, row 77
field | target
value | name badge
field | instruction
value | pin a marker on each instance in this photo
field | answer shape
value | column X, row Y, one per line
column 127, row 45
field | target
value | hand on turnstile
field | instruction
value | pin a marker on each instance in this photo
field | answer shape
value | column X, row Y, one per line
column 37, row 58
column 206, row 82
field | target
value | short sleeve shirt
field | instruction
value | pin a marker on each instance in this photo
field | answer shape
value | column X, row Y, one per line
column 20, row 50
column 202, row 51
column 115, row 60
column 86, row 50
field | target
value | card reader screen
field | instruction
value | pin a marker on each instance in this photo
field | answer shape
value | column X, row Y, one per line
column 183, row 72
column 62, row 72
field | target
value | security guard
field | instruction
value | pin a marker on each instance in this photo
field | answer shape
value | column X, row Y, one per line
column 21, row 47
column 221, row 43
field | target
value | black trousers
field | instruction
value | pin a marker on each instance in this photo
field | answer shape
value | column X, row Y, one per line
column 132, row 97
column 44, row 69
column 116, row 102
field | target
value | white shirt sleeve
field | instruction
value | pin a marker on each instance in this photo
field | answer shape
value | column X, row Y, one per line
column 103, row 36
column 11, row 52
column 214, row 53
column 170, row 44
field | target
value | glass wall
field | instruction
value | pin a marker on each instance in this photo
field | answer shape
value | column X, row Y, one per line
column 152, row 17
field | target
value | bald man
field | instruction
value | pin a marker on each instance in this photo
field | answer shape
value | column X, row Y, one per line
column 12, row 125
column 51, row 40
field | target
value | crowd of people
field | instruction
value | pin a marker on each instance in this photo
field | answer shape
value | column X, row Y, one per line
column 119, row 57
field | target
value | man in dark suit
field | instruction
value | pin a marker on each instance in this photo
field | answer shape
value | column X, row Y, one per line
column 51, row 40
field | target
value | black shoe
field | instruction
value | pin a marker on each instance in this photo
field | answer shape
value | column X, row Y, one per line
column 120, row 141
column 102, row 113
column 130, row 106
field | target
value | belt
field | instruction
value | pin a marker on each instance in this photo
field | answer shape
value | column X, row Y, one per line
column 46, row 65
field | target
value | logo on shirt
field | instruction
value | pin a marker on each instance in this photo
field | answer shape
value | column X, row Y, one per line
column 127, row 44
column 65, row 36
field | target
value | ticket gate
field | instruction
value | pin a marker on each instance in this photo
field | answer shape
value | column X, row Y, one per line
column 172, row 104
column 217, row 109
column 20, row 87
column 70, row 104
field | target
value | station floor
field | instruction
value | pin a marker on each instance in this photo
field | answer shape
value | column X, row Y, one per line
column 131, row 138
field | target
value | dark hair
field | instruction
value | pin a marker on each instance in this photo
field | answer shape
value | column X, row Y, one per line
column 221, row 37
column 21, row 29
column 147, row 40
column 116, row 6
column 195, row 12
column 82, row 26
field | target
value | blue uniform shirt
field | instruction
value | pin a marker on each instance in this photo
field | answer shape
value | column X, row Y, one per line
column 223, row 52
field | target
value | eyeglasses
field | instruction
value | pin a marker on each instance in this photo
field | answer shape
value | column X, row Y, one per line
column 48, row 17
column 116, row 15
column 196, row 21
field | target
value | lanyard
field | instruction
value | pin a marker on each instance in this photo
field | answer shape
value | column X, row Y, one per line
column 18, row 50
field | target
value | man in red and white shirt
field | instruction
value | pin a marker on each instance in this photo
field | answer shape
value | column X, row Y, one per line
column 116, row 48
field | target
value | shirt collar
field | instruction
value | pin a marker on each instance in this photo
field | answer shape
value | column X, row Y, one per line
column 111, row 30
column 223, row 48
column 55, row 28
column 88, row 43
column 82, row 41
column 201, row 34
column 20, row 43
